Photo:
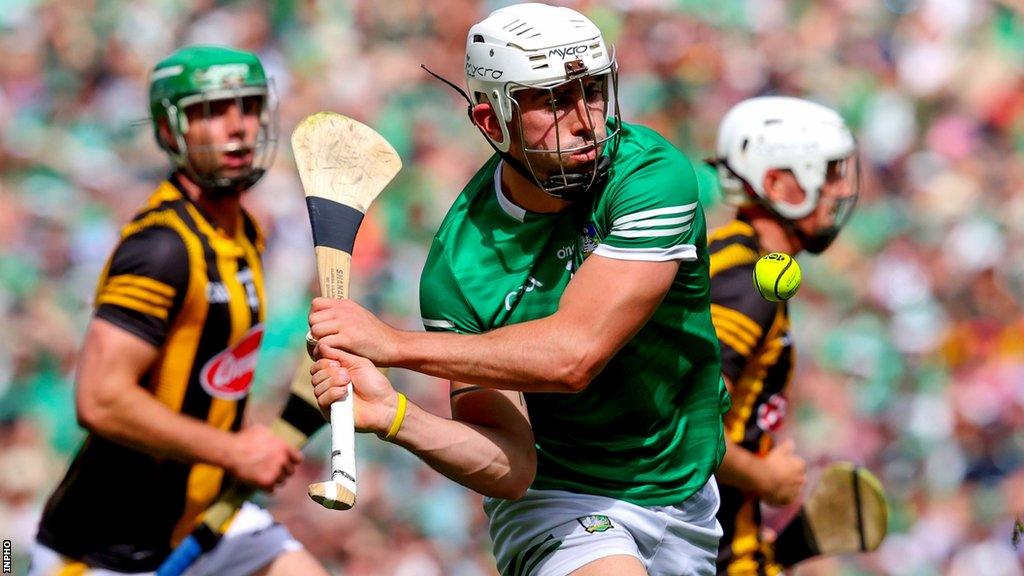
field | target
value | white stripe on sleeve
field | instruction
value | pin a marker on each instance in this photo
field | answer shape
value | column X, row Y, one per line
column 685, row 252
column 654, row 222
column 648, row 233
column 445, row 324
column 655, row 212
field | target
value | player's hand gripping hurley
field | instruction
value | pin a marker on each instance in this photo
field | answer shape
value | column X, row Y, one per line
column 343, row 165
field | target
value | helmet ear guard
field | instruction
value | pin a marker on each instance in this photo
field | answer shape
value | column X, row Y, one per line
column 735, row 190
column 503, row 110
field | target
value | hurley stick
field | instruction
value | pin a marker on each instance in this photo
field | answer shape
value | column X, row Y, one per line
column 343, row 165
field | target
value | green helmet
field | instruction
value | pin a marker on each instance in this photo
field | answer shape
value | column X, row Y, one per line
column 198, row 75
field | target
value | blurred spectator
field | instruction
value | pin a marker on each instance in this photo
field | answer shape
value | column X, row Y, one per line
column 913, row 322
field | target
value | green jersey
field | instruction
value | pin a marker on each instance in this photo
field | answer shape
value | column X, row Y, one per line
column 648, row 428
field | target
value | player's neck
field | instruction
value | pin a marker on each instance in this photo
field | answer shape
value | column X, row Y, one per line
column 224, row 211
column 524, row 193
column 772, row 235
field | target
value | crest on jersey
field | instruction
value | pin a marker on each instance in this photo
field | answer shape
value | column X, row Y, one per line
column 228, row 375
column 595, row 523
column 589, row 239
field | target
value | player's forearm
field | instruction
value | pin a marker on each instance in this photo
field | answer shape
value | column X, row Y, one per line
column 742, row 469
column 486, row 460
column 136, row 419
column 536, row 356
column 562, row 352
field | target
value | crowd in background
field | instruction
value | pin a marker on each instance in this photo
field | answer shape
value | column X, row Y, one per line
column 909, row 331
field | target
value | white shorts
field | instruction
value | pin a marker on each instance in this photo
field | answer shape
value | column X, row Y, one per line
column 553, row 532
column 253, row 541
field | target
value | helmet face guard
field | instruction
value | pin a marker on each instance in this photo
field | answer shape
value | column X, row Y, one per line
column 595, row 89
column 200, row 161
column 843, row 173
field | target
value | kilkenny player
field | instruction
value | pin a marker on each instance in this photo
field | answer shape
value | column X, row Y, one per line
column 791, row 168
column 168, row 358
column 567, row 298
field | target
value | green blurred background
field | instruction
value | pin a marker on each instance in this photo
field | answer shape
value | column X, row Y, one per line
column 909, row 331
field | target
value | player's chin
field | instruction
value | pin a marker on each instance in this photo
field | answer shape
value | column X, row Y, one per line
column 578, row 163
column 234, row 171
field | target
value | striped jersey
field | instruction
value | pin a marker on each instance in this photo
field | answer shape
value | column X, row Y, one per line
column 757, row 357
column 648, row 428
column 182, row 285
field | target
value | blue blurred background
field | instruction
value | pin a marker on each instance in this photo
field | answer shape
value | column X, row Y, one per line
column 910, row 330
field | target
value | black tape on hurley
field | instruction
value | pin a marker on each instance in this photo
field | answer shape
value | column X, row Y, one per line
column 334, row 225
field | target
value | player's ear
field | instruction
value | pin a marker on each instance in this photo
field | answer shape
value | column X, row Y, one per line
column 780, row 186
column 167, row 140
column 486, row 119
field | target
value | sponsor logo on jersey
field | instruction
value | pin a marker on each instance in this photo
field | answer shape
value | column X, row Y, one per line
column 228, row 375
column 245, row 276
column 529, row 286
column 771, row 414
column 217, row 292
column 595, row 523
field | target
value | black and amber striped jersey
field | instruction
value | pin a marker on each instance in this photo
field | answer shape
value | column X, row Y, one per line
column 757, row 357
column 196, row 294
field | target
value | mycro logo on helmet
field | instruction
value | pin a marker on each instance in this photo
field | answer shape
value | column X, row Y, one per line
column 481, row 72
column 774, row 149
column 571, row 51
column 222, row 75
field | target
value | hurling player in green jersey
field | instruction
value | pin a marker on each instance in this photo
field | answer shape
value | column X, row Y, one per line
column 567, row 299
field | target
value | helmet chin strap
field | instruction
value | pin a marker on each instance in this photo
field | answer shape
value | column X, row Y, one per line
column 222, row 187
column 818, row 242
column 568, row 186
column 574, row 185
column 813, row 243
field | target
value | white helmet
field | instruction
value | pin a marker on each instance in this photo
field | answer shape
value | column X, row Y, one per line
column 531, row 46
column 777, row 132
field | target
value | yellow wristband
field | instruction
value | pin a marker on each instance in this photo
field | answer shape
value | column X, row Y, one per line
column 396, row 424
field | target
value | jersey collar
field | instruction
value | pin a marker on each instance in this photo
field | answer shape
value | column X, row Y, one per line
column 507, row 206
